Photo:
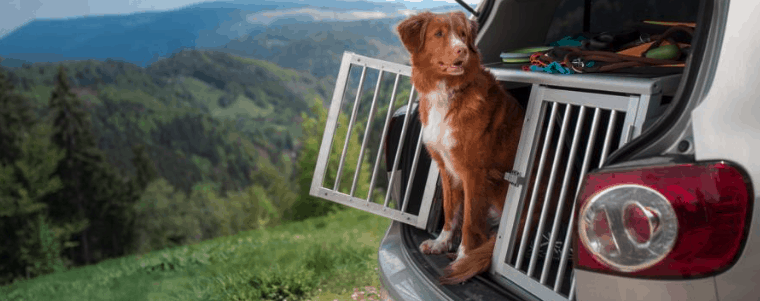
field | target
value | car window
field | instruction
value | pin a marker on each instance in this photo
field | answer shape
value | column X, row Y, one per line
column 612, row 15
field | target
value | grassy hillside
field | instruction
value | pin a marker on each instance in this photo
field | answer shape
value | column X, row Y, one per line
column 203, row 116
column 319, row 259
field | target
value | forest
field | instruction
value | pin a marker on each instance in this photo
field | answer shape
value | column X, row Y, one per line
column 101, row 160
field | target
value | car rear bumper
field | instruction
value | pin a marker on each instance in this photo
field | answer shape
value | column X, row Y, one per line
column 407, row 274
column 609, row 287
column 399, row 275
column 404, row 279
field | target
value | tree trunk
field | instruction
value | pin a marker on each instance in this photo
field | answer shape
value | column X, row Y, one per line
column 84, row 238
column 116, row 250
column 85, row 247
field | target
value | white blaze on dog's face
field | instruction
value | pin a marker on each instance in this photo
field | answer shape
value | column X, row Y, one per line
column 445, row 40
column 443, row 43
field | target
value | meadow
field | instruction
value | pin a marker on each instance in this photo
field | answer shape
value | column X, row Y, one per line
column 332, row 257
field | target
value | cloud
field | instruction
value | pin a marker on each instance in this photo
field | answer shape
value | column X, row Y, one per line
column 267, row 17
column 407, row 12
column 369, row 15
column 16, row 13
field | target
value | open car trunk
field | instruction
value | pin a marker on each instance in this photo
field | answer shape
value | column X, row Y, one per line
column 573, row 123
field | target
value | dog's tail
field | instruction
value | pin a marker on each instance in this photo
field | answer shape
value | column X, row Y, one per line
column 477, row 261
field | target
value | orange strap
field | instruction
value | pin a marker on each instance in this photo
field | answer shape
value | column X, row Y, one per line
column 666, row 23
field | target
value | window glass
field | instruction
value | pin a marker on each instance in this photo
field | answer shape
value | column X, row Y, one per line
column 613, row 15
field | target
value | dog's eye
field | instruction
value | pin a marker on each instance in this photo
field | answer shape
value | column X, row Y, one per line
column 439, row 34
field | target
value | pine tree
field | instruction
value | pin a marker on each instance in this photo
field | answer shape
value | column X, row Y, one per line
column 74, row 136
column 16, row 115
column 41, row 242
column 95, row 193
column 113, row 214
column 146, row 170
column 33, row 243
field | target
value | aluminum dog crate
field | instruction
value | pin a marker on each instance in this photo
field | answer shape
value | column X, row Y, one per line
column 593, row 115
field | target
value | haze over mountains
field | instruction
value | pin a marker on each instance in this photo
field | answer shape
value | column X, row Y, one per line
column 284, row 32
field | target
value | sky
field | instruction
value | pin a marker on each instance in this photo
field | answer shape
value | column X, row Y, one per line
column 14, row 13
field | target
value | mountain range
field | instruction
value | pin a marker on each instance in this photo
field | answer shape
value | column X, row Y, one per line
column 260, row 29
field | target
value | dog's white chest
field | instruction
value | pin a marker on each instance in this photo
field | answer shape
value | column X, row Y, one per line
column 437, row 133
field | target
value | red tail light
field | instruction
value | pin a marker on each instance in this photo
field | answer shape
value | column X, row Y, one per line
column 663, row 222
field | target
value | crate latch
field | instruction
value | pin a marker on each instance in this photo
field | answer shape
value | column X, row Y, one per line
column 514, row 177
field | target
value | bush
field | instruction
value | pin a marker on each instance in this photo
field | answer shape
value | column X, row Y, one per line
column 165, row 218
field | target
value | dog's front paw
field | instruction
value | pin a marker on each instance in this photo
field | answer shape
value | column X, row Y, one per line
column 440, row 245
column 433, row 246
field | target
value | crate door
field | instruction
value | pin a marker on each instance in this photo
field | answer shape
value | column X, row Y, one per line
column 351, row 166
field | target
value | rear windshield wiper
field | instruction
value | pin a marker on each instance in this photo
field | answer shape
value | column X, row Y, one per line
column 467, row 7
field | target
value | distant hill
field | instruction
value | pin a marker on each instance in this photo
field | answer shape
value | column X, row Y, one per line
column 317, row 47
column 202, row 115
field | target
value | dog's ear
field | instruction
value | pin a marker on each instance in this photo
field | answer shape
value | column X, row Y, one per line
column 412, row 31
column 471, row 31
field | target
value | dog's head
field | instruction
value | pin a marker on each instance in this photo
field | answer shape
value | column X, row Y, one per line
column 441, row 42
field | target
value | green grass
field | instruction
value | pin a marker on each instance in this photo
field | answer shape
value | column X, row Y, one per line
column 241, row 105
column 244, row 104
column 284, row 75
column 203, row 92
column 323, row 258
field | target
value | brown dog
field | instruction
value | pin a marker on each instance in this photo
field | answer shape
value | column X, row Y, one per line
column 471, row 128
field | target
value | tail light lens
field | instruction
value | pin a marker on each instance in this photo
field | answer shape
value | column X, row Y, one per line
column 679, row 221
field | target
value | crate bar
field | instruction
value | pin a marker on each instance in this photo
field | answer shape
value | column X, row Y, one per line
column 366, row 132
column 350, row 127
column 584, row 168
column 529, row 284
column 330, row 127
column 380, row 64
column 361, row 204
column 427, row 196
column 382, row 139
column 531, row 206
column 646, row 102
column 563, row 194
column 667, row 84
column 604, row 101
column 549, row 190
column 572, row 287
column 396, row 158
column 630, row 125
column 523, row 163
column 608, row 138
